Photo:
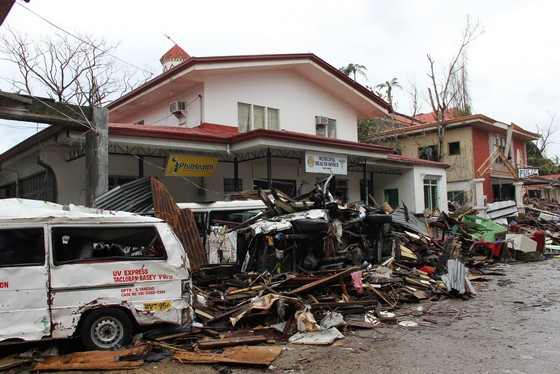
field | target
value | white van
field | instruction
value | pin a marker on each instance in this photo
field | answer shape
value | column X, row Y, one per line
column 220, row 245
column 67, row 271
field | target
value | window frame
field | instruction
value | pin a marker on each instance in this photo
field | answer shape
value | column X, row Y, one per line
column 95, row 244
column 456, row 148
column 431, row 198
column 270, row 117
column 25, row 240
column 325, row 127
column 422, row 153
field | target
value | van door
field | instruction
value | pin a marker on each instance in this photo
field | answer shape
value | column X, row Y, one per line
column 24, row 307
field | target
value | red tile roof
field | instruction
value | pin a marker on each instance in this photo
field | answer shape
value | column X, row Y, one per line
column 475, row 119
column 194, row 61
column 213, row 133
column 175, row 52
column 431, row 117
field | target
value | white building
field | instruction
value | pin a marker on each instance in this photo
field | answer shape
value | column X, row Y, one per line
column 232, row 123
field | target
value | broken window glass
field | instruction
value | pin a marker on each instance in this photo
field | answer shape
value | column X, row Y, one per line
column 76, row 244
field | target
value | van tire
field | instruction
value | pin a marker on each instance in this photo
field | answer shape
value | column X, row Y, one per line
column 106, row 329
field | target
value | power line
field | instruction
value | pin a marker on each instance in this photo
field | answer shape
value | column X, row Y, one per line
column 80, row 39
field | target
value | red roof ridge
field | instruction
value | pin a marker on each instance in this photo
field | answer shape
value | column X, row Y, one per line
column 175, row 52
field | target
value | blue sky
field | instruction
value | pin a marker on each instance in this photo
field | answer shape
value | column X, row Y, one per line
column 512, row 66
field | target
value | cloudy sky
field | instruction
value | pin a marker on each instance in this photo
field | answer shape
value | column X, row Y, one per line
column 512, row 66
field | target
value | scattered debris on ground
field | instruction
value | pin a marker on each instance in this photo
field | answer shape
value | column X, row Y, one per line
column 308, row 270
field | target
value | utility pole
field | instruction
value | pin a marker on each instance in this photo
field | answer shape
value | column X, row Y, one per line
column 32, row 109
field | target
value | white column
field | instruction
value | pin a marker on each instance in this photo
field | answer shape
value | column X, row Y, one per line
column 479, row 199
column 519, row 197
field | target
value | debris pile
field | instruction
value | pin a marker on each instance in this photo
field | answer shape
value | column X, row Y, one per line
column 308, row 269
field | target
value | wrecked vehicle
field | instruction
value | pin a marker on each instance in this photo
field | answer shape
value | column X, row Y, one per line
column 212, row 220
column 70, row 271
column 314, row 239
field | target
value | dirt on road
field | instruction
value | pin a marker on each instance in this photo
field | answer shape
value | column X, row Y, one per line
column 511, row 326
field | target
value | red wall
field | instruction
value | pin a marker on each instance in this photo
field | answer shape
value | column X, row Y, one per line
column 519, row 145
column 481, row 152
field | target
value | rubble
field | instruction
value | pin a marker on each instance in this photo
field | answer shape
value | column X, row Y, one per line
column 309, row 259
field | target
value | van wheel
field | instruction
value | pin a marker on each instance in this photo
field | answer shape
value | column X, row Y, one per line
column 105, row 329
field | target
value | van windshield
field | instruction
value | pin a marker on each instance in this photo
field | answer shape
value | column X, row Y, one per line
column 77, row 244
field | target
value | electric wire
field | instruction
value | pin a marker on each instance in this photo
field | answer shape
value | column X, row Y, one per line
column 88, row 124
column 80, row 39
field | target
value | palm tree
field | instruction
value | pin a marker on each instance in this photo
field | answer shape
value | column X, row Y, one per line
column 353, row 69
column 388, row 87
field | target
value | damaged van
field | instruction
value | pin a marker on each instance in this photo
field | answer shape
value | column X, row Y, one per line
column 68, row 271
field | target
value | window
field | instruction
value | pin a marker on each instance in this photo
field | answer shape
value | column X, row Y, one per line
column 288, row 186
column 363, row 194
column 456, row 196
column 391, row 196
column 428, row 153
column 244, row 117
column 454, row 148
column 118, row 180
column 37, row 187
column 258, row 112
column 252, row 117
column 341, row 190
column 21, row 247
column 325, row 126
column 430, row 194
column 500, row 142
column 229, row 185
column 79, row 244
column 273, row 119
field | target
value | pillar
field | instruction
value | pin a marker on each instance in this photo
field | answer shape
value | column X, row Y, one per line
column 479, row 199
column 519, row 197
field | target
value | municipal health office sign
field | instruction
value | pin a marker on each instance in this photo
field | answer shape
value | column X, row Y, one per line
column 325, row 163
column 190, row 166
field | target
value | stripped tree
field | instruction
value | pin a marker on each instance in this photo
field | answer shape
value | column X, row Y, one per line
column 446, row 92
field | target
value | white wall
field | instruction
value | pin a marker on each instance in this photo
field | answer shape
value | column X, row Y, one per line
column 298, row 100
column 411, row 187
column 158, row 113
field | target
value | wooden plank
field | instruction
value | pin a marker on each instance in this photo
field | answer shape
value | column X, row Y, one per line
column 323, row 281
column 247, row 355
column 229, row 342
column 94, row 360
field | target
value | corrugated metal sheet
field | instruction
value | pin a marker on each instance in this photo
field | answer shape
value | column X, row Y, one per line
column 149, row 196
column 181, row 221
column 406, row 219
column 135, row 197
column 502, row 209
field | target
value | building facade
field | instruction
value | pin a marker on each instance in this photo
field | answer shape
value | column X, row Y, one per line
column 471, row 151
column 239, row 122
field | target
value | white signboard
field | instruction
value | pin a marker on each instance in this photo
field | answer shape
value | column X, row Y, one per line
column 525, row 172
column 325, row 163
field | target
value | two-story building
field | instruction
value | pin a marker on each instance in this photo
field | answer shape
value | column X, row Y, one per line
column 470, row 149
column 208, row 126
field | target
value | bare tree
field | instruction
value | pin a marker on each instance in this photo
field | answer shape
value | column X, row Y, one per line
column 444, row 92
column 546, row 132
column 76, row 69
column 413, row 92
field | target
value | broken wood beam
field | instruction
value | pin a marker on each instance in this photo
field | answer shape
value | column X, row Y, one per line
column 230, row 342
